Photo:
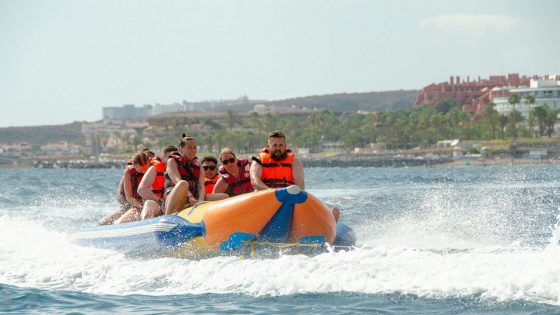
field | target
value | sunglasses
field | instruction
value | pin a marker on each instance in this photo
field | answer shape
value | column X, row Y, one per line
column 209, row 167
column 230, row 160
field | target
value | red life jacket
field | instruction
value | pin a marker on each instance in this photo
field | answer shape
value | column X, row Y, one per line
column 135, row 178
column 241, row 184
column 209, row 183
column 190, row 172
column 277, row 173
column 158, row 186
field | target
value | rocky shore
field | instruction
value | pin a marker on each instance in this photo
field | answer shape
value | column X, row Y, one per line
column 346, row 160
column 78, row 164
column 353, row 161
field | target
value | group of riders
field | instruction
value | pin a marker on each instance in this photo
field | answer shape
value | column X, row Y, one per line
column 153, row 185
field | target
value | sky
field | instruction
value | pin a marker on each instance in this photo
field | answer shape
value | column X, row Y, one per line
column 63, row 60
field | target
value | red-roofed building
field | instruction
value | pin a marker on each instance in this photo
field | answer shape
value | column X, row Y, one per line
column 474, row 96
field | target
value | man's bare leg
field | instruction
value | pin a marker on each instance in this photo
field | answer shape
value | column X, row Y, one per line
column 336, row 213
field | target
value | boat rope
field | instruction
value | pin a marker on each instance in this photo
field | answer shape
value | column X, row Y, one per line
column 252, row 244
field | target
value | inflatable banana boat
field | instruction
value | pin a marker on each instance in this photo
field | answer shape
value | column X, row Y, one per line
column 288, row 219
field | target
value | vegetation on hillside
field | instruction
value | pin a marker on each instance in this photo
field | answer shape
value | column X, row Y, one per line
column 345, row 102
column 353, row 102
column 40, row 135
column 418, row 126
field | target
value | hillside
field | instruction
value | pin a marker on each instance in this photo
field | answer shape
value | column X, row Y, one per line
column 353, row 102
column 342, row 102
column 43, row 134
column 347, row 102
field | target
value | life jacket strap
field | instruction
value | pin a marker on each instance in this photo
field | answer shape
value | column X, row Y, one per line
column 277, row 164
column 277, row 182
column 256, row 159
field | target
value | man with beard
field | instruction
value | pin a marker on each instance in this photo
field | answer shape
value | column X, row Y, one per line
column 276, row 165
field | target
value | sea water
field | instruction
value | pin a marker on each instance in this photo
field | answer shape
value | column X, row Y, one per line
column 430, row 240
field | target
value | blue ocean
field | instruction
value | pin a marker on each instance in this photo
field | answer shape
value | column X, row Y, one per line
column 466, row 240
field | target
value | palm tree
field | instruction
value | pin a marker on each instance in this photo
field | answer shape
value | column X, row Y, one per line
column 314, row 121
column 503, row 120
column 513, row 99
column 208, row 139
column 232, row 119
column 438, row 124
column 491, row 118
column 541, row 112
column 515, row 118
column 290, row 127
column 329, row 124
column 256, row 121
column 531, row 123
column 529, row 100
column 550, row 121
column 270, row 122
column 211, row 124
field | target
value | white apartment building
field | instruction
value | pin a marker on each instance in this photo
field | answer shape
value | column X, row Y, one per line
column 160, row 109
column 544, row 91
column 127, row 112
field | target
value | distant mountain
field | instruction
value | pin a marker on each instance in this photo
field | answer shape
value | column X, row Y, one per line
column 345, row 102
column 43, row 134
column 353, row 102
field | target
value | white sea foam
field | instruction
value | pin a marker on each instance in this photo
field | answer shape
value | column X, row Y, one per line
column 428, row 240
column 33, row 256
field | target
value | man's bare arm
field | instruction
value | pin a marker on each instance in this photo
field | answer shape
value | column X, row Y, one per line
column 256, row 172
column 297, row 173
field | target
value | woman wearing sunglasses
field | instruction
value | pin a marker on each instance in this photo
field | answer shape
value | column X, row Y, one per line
column 235, row 178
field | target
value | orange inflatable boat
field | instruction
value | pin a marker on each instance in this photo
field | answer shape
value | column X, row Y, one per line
column 281, row 218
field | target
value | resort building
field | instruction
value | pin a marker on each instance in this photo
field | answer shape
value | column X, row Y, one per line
column 544, row 92
column 473, row 95
column 142, row 113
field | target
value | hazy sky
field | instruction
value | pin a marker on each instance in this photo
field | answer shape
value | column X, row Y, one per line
column 62, row 61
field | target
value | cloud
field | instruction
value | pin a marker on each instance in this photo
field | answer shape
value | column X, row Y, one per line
column 472, row 24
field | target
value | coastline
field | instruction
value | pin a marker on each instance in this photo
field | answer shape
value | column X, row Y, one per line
column 330, row 161
column 415, row 162
column 501, row 162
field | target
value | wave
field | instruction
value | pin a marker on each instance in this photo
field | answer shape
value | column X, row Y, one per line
column 37, row 257
column 494, row 240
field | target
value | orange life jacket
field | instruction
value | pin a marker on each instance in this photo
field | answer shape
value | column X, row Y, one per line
column 190, row 172
column 241, row 184
column 277, row 173
column 158, row 186
column 209, row 183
